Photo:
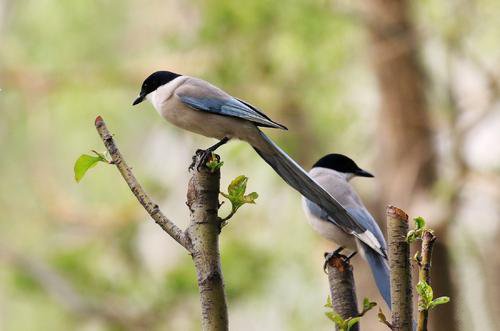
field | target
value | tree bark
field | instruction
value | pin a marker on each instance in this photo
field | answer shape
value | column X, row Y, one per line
column 399, row 263
column 424, row 274
column 342, row 289
column 203, row 231
column 407, row 155
column 201, row 238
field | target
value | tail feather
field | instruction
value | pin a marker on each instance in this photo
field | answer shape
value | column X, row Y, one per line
column 380, row 271
column 298, row 178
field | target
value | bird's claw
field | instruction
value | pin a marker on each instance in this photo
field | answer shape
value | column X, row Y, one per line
column 336, row 253
column 329, row 255
column 204, row 154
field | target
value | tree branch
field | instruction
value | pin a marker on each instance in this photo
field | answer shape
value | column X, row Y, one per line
column 203, row 231
column 201, row 238
column 424, row 274
column 342, row 289
column 399, row 263
column 152, row 208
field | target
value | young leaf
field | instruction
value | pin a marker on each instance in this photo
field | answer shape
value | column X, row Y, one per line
column 411, row 236
column 381, row 316
column 214, row 164
column 419, row 222
column 426, row 294
column 238, row 186
column 336, row 318
column 352, row 321
column 328, row 303
column 367, row 305
column 383, row 319
column 439, row 301
column 236, row 194
column 250, row 198
column 85, row 162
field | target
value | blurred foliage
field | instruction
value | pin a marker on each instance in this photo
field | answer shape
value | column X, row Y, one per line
column 64, row 62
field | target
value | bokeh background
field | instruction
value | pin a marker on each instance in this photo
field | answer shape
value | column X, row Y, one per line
column 408, row 90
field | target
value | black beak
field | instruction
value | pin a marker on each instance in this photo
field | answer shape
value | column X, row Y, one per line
column 139, row 99
column 363, row 173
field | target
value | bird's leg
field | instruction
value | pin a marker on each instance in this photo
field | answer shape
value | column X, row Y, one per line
column 217, row 145
column 207, row 153
column 350, row 256
column 328, row 256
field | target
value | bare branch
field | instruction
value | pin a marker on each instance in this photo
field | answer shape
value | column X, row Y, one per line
column 152, row 208
column 399, row 263
column 203, row 232
column 424, row 274
column 342, row 288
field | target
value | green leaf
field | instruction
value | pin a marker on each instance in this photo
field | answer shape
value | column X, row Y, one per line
column 85, row 162
column 425, row 293
column 381, row 316
column 236, row 194
column 214, row 164
column 336, row 318
column 250, row 198
column 367, row 304
column 439, row 301
column 238, row 186
column 411, row 236
column 419, row 222
column 352, row 321
column 328, row 303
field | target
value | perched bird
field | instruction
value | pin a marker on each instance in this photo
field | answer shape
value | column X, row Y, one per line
column 200, row 107
column 333, row 173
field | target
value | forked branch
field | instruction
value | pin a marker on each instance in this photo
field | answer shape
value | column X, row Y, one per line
column 152, row 208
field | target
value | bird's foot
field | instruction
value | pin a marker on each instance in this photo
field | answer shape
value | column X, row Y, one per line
column 336, row 253
column 328, row 256
column 204, row 155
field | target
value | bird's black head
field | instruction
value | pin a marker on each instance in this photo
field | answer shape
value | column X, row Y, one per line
column 154, row 81
column 341, row 163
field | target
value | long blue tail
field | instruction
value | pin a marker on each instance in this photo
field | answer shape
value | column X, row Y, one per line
column 380, row 271
column 300, row 180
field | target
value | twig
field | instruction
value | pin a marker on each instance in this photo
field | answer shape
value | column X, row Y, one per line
column 399, row 263
column 342, row 288
column 424, row 274
column 201, row 238
column 382, row 319
column 152, row 208
column 203, row 231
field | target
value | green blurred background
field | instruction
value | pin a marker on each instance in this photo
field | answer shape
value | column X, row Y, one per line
column 86, row 257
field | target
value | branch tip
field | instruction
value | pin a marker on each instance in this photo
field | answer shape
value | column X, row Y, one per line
column 151, row 208
column 395, row 212
column 98, row 120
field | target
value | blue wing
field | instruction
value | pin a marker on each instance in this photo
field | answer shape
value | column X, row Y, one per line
column 366, row 230
column 348, row 227
column 377, row 262
column 230, row 107
column 368, row 222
